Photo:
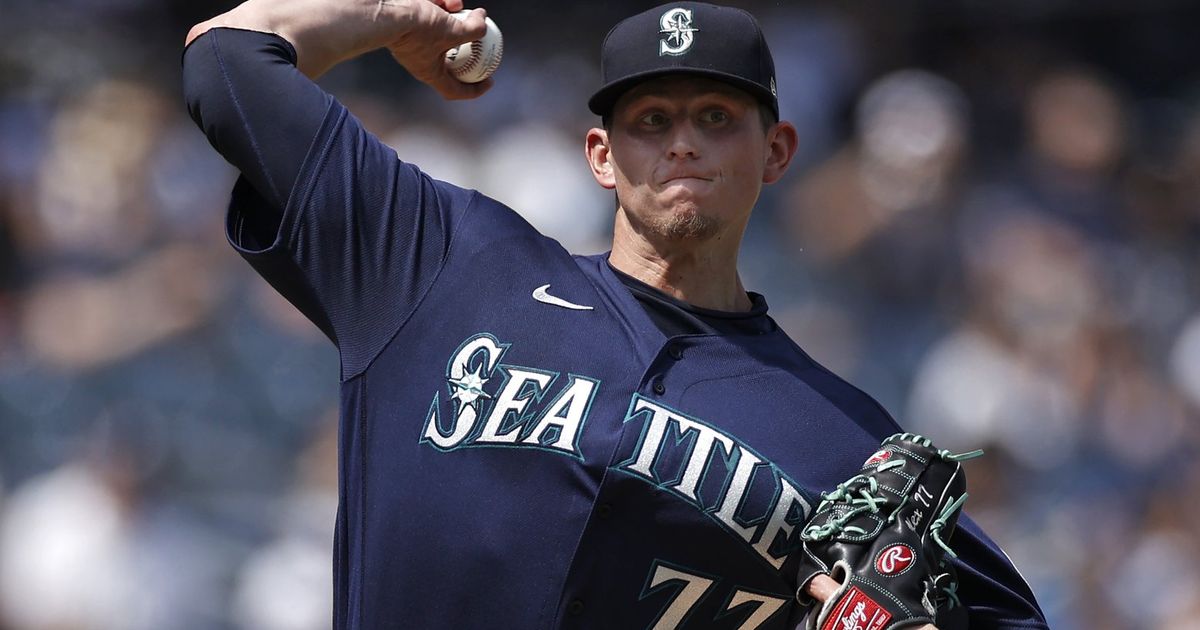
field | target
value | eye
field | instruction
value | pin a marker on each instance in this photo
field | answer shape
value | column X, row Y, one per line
column 714, row 116
column 653, row 119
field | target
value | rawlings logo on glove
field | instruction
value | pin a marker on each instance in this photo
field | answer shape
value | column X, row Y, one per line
column 863, row 613
column 882, row 535
column 894, row 560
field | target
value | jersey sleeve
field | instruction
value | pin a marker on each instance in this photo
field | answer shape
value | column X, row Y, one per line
column 995, row 593
column 323, row 210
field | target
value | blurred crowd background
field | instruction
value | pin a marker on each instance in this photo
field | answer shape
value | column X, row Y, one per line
column 993, row 227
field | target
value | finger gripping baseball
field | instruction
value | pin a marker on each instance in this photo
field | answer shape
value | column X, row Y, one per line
column 475, row 61
column 884, row 536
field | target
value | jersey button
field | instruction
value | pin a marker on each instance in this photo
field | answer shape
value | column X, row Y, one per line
column 659, row 388
column 676, row 352
column 604, row 510
column 575, row 607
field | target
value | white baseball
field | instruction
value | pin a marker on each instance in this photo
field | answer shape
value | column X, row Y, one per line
column 473, row 62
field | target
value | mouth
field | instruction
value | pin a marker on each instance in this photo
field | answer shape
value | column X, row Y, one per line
column 683, row 178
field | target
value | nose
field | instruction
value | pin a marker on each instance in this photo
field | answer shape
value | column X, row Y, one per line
column 683, row 142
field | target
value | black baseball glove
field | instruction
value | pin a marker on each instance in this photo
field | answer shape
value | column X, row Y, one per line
column 882, row 535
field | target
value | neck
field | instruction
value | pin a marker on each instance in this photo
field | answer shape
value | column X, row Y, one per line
column 701, row 272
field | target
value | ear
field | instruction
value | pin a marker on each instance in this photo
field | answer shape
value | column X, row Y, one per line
column 782, row 142
column 599, row 158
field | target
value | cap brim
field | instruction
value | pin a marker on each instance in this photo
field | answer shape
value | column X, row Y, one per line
column 605, row 98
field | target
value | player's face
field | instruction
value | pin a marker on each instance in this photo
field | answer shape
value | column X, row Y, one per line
column 687, row 156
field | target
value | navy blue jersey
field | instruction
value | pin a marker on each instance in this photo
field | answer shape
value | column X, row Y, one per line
column 521, row 445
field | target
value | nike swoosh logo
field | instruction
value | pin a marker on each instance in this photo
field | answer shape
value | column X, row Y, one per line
column 540, row 294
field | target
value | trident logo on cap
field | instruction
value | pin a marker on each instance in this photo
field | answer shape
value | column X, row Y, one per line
column 677, row 26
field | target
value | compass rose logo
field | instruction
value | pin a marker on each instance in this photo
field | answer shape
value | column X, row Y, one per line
column 677, row 26
column 469, row 386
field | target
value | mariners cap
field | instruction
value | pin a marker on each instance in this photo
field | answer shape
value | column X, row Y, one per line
column 724, row 43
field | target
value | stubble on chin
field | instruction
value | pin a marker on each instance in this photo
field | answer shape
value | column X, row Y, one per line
column 684, row 224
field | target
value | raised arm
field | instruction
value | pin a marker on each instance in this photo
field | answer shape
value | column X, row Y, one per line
column 328, row 32
column 250, row 90
column 325, row 211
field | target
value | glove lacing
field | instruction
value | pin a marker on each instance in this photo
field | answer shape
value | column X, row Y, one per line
column 859, row 494
column 860, row 499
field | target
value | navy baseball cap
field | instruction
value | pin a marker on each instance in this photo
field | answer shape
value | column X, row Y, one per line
column 723, row 43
